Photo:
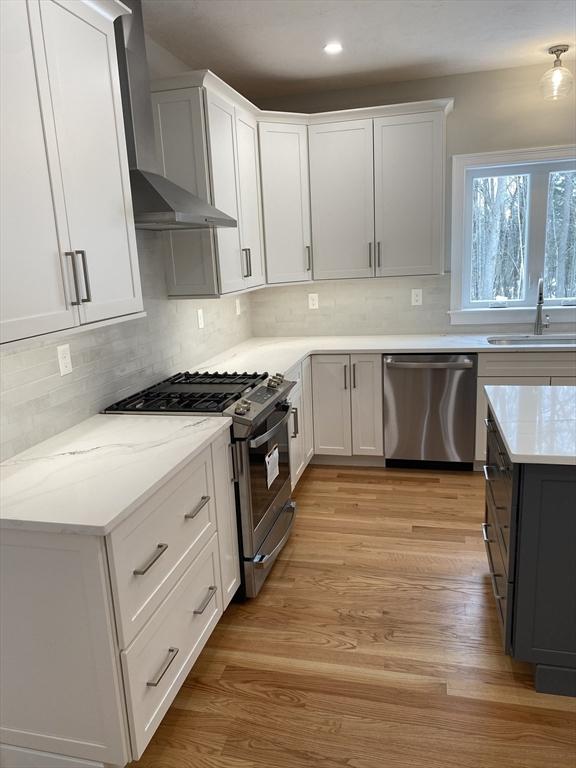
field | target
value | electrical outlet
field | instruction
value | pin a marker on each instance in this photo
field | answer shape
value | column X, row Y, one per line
column 416, row 297
column 312, row 301
column 238, row 307
column 200, row 318
column 64, row 359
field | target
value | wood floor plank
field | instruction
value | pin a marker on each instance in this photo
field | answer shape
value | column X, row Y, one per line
column 374, row 644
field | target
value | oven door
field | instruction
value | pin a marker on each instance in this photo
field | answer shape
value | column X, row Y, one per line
column 264, row 481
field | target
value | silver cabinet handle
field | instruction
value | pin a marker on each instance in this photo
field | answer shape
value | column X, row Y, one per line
column 345, row 377
column 204, row 604
column 370, row 254
column 353, row 375
column 493, row 577
column 379, row 254
column 296, row 424
column 201, row 504
column 485, row 538
column 249, row 262
column 448, row 366
column 245, row 269
column 158, row 552
column 488, row 424
column 172, row 653
column 72, row 255
column 82, row 254
column 308, row 258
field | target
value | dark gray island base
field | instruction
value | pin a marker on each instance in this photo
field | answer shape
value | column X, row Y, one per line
column 530, row 538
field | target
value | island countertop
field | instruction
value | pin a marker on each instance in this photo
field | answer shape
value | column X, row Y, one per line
column 537, row 424
column 92, row 476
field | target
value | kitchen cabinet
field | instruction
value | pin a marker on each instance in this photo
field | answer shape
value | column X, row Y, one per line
column 342, row 199
column 122, row 614
column 249, row 198
column 307, row 411
column 286, row 201
column 408, row 194
column 347, row 400
column 302, row 434
column 296, row 447
column 65, row 126
column 209, row 145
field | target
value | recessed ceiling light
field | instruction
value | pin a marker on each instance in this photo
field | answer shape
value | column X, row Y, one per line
column 333, row 47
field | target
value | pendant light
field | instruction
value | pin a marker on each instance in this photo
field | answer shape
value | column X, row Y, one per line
column 557, row 81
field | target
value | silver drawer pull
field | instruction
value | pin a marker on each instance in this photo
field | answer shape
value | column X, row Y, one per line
column 158, row 552
column 493, row 577
column 296, row 423
column 485, row 527
column 204, row 604
column 489, row 425
column 172, row 653
column 201, row 504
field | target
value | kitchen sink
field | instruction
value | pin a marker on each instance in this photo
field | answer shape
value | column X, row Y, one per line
column 529, row 340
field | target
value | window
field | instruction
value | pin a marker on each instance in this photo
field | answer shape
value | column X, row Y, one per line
column 513, row 223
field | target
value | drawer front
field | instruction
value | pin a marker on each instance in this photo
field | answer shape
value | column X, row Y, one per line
column 151, row 549
column 496, row 564
column 527, row 364
column 160, row 658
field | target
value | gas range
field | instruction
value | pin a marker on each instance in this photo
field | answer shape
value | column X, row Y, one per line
column 246, row 397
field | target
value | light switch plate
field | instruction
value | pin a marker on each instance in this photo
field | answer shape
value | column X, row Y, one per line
column 416, row 297
column 64, row 359
column 200, row 318
column 312, row 301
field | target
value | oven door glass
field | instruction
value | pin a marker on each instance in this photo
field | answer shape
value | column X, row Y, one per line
column 270, row 436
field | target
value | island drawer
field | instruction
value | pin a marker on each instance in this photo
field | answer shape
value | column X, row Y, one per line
column 152, row 548
column 158, row 661
column 496, row 563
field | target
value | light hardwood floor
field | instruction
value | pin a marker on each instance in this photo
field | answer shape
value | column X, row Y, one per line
column 374, row 644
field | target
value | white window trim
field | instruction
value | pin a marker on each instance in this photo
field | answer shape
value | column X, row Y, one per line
column 460, row 165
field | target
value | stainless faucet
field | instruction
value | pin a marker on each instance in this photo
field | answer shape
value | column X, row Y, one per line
column 538, row 324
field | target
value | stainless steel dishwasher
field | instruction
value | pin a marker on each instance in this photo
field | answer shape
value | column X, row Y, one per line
column 429, row 408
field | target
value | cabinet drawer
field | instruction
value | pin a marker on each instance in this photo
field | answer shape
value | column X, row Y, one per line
column 151, row 549
column 527, row 364
column 496, row 563
column 160, row 658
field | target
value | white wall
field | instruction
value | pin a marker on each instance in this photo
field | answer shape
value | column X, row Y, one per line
column 162, row 63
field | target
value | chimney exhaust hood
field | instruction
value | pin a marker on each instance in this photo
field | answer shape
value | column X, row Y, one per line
column 158, row 203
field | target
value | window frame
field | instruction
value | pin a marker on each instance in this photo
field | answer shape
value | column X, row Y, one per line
column 539, row 162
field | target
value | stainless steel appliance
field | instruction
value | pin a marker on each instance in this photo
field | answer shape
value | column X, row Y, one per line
column 260, row 436
column 429, row 408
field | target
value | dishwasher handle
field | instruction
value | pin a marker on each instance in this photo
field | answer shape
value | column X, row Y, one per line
column 463, row 365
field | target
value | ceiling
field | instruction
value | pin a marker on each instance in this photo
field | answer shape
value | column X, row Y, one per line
column 274, row 47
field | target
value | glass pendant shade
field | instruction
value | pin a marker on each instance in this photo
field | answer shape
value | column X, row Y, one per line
column 556, row 82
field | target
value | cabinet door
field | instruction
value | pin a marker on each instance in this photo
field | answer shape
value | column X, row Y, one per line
column 85, row 90
column 408, row 188
column 249, row 198
column 331, row 399
column 286, row 201
column 367, row 425
column 33, row 280
column 226, row 518
column 297, row 460
column 482, row 405
column 222, row 141
column 307, row 425
column 182, row 150
column 342, row 199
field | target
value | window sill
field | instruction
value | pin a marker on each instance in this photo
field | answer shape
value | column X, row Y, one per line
column 504, row 315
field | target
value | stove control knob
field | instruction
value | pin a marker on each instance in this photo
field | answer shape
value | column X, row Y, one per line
column 279, row 378
column 272, row 383
column 242, row 407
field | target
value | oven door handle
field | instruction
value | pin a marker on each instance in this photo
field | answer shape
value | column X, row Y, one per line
column 262, row 562
column 258, row 441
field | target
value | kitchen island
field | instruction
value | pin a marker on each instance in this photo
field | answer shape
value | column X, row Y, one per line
column 530, row 527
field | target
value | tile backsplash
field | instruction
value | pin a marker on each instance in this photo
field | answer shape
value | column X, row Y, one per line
column 113, row 361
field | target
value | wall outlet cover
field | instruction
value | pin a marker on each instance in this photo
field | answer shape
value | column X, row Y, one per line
column 200, row 318
column 312, row 301
column 416, row 297
column 238, row 307
column 64, row 359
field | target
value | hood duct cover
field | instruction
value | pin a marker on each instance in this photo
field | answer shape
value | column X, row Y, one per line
column 159, row 204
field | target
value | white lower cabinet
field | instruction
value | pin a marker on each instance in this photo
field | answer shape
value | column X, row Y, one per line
column 98, row 633
column 296, row 447
column 347, row 400
column 301, row 447
column 307, row 411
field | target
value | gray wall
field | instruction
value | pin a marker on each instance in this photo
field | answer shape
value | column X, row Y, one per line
column 110, row 362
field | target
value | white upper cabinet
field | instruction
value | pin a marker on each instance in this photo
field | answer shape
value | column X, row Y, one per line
column 64, row 163
column 249, row 198
column 33, row 281
column 286, row 201
column 342, row 195
column 408, row 182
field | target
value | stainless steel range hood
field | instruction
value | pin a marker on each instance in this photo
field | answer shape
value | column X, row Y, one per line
column 159, row 204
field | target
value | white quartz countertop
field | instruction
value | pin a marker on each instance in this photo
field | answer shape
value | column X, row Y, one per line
column 90, row 477
column 538, row 424
column 279, row 354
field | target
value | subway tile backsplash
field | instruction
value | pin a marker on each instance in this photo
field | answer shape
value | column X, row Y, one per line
column 113, row 361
